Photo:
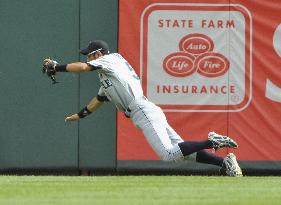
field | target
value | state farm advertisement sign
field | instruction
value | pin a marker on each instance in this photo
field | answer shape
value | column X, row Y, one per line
column 204, row 62
column 211, row 66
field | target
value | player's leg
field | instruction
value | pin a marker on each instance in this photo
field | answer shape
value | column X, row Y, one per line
column 205, row 157
column 229, row 165
column 158, row 138
column 215, row 141
column 194, row 150
column 152, row 121
column 170, row 146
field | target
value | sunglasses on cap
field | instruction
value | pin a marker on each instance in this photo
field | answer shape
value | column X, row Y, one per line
column 94, row 51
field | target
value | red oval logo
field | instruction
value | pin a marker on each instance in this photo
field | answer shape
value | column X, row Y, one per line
column 196, row 44
column 179, row 64
column 212, row 64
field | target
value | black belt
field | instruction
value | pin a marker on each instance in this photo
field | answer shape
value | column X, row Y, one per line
column 127, row 112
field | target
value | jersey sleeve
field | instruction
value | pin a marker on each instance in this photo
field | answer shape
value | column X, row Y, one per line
column 100, row 63
column 101, row 95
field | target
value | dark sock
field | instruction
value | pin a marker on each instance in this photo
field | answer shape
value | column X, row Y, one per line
column 208, row 158
column 189, row 147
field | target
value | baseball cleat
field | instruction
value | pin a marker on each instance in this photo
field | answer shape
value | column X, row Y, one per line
column 230, row 166
column 220, row 141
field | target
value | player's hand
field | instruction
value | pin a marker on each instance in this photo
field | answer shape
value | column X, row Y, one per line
column 71, row 118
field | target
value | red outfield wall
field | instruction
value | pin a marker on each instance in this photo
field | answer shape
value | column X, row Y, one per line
column 210, row 65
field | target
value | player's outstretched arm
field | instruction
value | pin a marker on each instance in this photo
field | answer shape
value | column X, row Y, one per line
column 71, row 67
column 78, row 67
column 90, row 108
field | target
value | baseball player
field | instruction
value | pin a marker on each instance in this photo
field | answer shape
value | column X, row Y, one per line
column 121, row 86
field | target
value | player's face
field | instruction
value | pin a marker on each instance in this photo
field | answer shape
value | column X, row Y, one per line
column 94, row 56
column 90, row 57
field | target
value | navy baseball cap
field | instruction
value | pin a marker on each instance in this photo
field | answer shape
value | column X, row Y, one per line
column 96, row 45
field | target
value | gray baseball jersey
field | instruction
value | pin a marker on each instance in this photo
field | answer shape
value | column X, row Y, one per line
column 119, row 82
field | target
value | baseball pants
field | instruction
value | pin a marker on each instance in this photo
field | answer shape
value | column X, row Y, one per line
column 159, row 134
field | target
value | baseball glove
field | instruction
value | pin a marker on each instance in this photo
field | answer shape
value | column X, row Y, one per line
column 49, row 69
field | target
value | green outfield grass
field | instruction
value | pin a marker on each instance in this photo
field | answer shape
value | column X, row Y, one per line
column 142, row 190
